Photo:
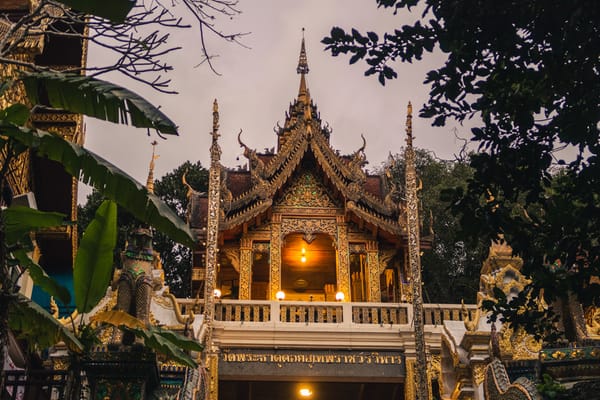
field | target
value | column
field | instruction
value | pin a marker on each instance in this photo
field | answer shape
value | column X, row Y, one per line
column 373, row 278
column 343, row 264
column 275, row 257
column 213, row 375
column 245, row 269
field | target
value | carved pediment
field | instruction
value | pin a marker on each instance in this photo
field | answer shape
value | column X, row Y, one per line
column 306, row 191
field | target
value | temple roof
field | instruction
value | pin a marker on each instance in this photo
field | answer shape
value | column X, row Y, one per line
column 303, row 142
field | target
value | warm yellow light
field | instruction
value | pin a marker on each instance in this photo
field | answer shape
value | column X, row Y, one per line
column 339, row 296
column 305, row 392
column 303, row 251
column 280, row 295
column 217, row 293
column 303, row 259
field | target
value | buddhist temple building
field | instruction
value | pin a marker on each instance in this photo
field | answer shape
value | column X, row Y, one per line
column 302, row 283
column 302, row 261
column 305, row 264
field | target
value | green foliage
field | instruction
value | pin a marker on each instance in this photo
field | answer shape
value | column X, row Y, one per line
column 451, row 268
column 38, row 327
column 17, row 114
column 19, row 221
column 98, row 99
column 40, row 278
column 176, row 259
column 549, row 388
column 94, row 261
column 114, row 183
column 529, row 72
column 103, row 100
column 113, row 10
column 171, row 344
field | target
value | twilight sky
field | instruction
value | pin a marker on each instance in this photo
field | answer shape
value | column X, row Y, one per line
column 257, row 84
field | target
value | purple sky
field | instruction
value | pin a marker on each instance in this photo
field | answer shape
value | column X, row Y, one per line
column 257, row 84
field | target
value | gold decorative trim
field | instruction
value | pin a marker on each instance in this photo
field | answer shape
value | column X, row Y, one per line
column 188, row 319
column 374, row 275
column 275, row 273
column 308, row 227
column 245, row 270
column 519, row 344
column 343, row 265
column 478, row 371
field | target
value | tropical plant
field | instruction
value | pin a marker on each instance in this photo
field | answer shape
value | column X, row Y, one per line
column 528, row 74
column 176, row 258
column 94, row 98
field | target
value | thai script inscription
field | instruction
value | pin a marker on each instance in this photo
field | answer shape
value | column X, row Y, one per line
column 362, row 358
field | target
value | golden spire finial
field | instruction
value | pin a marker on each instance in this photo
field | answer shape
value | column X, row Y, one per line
column 215, row 150
column 150, row 180
column 303, row 70
column 215, row 117
column 409, row 136
column 302, row 61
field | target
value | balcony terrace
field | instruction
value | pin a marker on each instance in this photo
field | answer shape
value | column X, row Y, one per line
column 255, row 323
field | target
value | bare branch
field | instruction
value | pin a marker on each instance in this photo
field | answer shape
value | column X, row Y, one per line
column 139, row 45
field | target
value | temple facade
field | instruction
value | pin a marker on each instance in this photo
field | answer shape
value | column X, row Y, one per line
column 303, row 266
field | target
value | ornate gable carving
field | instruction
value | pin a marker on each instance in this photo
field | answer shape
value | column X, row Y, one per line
column 306, row 191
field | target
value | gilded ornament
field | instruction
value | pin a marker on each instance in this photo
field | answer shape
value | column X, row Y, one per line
column 435, row 366
column 592, row 321
column 478, row 373
column 520, row 345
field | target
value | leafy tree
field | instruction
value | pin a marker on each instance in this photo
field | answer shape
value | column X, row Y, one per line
column 176, row 258
column 451, row 268
column 530, row 73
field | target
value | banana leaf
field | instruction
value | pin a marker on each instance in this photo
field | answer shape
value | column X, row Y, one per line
column 41, row 279
column 117, row 318
column 19, row 221
column 94, row 260
column 95, row 98
column 163, row 341
column 107, row 178
column 33, row 323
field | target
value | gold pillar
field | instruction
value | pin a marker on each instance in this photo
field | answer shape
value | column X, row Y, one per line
column 343, row 264
column 275, row 257
column 409, row 382
column 414, row 258
column 245, row 269
column 213, row 376
column 373, row 267
column 214, row 197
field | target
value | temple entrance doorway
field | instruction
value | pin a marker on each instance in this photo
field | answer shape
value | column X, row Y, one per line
column 308, row 269
column 354, row 389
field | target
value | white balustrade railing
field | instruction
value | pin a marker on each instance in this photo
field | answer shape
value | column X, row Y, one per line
column 292, row 312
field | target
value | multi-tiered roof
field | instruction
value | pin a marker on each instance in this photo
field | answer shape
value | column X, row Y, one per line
column 250, row 194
